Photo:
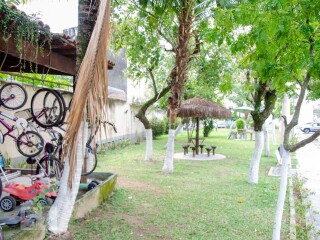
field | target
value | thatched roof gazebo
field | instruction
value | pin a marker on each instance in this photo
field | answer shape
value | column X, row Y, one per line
column 199, row 107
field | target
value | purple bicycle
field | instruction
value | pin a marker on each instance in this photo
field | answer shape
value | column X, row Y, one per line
column 29, row 143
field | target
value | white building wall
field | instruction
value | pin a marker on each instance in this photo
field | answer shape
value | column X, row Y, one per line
column 119, row 112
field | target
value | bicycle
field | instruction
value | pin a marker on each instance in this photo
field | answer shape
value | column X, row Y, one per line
column 28, row 143
column 52, row 162
column 12, row 96
column 48, row 108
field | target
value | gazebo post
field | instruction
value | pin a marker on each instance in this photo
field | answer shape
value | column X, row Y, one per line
column 197, row 135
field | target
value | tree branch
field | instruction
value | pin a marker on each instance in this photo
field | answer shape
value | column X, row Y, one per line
column 285, row 122
column 304, row 142
column 141, row 115
column 153, row 81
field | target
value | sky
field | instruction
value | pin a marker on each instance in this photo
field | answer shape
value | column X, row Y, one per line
column 58, row 14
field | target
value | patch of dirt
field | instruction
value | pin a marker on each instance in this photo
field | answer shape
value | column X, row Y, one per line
column 65, row 236
column 124, row 182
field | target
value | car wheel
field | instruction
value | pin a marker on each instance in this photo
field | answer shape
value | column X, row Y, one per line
column 306, row 130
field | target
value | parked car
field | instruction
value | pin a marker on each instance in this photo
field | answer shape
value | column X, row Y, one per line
column 221, row 124
column 310, row 127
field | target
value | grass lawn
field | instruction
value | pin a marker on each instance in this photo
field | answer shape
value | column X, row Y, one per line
column 200, row 200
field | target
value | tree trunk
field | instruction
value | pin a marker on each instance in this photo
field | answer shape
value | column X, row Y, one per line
column 141, row 115
column 285, row 112
column 274, row 137
column 282, row 194
column 168, row 161
column 179, row 129
column 149, row 144
column 266, row 141
column 87, row 16
column 255, row 159
column 60, row 213
column 179, row 74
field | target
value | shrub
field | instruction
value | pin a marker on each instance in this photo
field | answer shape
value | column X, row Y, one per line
column 158, row 127
column 207, row 127
column 240, row 123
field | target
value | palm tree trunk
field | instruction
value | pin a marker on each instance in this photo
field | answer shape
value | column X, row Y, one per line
column 87, row 16
column 60, row 212
column 168, row 161
column 179, row 74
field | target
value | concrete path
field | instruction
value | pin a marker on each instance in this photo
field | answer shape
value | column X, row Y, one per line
column 309, row 166
column 200, row 157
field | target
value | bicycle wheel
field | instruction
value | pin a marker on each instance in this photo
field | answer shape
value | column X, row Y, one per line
column 30, row 144
column 67, row 96
column 91, row 160
column 13, row 96
column 51, row 167
column 46, row 108
column 64, row 108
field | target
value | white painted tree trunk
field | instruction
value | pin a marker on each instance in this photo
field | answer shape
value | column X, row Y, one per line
column 168, row 161
column 266, row 141
column 285, row 112
column 60, row 212
column 274, row 137
column 149, row 144
column 282, row 195
column 255, row 159
column 179, row 129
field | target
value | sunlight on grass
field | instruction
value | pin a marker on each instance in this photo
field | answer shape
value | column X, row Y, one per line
column 200, row 200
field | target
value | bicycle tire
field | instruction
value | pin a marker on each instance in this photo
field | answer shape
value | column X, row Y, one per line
column 46, row 115
column 63, row 110
column 89, row 150
column 19, row 98
column 34, row 148
column 53, row 169
column 67, row 96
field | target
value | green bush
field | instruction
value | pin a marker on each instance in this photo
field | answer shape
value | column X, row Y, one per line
column 207, row 127
column 240, row 123
column 158, row 127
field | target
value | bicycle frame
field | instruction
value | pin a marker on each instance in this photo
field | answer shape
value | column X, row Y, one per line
column 7, row 126
column 8, row 99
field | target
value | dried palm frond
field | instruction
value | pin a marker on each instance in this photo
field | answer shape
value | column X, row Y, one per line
column 91, row 92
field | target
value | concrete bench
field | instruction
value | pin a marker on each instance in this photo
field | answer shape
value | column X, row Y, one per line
column 201, row 147
column 208, row 151
column 185, row 149
column 193, row 151
column 213, row 149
